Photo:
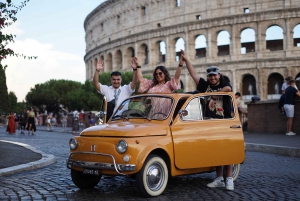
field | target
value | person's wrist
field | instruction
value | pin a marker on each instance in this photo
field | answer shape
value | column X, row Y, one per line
column 180, row 64
column 134, row 69
column 138, row 67
column 97, row 70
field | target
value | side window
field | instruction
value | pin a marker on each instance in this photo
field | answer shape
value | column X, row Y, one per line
column 194, row 110
column 217, row 107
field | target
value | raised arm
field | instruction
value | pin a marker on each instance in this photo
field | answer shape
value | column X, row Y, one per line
column 99, row 67
column 178, row 71
column 135, row 64
column 190, row 68
column 134, row 76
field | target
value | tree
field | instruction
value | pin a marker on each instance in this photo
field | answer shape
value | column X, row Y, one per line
column 3, row 92
column 12, row 101
column 8, row 13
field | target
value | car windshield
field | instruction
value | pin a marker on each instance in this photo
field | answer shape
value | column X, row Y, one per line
column 150, row 107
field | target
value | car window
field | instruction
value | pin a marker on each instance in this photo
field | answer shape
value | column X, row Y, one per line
column 217, row 107
column 194, row 110
column 151, row 107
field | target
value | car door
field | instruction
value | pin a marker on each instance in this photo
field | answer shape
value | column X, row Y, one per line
column 201, row 141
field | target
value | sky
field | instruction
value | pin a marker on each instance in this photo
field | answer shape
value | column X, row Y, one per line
column 52, row 30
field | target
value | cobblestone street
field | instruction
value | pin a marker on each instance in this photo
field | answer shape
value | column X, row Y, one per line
column 262, row 177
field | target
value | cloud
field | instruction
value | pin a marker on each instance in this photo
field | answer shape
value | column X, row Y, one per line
column 23, row 74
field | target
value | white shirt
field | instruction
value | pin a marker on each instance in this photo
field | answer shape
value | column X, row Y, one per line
column 285, row 85
column 109, row 92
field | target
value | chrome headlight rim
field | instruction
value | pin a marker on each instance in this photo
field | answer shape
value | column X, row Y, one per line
column 73, row 143
column 121, row 146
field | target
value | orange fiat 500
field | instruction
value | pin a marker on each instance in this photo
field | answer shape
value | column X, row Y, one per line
column 156, row 136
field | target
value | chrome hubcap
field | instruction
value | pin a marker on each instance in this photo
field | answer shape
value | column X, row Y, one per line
column 155, row 176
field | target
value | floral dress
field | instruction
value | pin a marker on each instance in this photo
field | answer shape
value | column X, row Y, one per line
column 159, row 105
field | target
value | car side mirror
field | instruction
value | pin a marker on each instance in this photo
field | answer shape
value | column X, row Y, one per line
column 183, row 113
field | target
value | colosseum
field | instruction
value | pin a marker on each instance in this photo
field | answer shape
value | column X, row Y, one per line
column 255, row 43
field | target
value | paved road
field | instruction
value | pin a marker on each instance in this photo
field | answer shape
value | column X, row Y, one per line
column 263, row 177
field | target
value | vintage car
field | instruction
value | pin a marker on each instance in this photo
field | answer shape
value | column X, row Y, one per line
column 152, row 137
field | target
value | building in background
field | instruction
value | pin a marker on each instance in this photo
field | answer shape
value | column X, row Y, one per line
column 255, row 43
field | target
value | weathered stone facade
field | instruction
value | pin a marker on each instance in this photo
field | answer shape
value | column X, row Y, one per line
column 118, row 29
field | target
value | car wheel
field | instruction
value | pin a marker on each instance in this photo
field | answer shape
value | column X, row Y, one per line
column 235, row 171
column 152, row 179
column 84, row 181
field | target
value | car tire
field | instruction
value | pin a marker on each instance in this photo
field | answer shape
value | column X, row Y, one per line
column 235, row 171
column 156, row 184
column 84, row 181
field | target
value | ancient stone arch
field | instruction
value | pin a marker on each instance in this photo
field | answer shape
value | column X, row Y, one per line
column 127, row 25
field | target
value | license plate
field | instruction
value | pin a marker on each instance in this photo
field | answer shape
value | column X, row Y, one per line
column 91, row 172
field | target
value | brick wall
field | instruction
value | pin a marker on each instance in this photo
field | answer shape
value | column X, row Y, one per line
column 264, row 117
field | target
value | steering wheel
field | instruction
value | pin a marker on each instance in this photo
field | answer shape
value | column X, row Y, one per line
column 158, row 113
column 135, row 112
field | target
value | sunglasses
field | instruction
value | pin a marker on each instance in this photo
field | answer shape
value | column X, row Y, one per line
column 160, row 73
column 212, row 70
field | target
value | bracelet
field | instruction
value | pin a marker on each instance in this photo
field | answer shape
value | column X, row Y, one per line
column 180, row 65
column 138, row 67
column 134, row 69
column 98, row 70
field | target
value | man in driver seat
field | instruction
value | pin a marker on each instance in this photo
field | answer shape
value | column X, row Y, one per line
column 115, row 93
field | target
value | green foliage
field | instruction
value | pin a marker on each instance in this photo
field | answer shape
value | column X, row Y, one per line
column 70, row 94
column 12, row 101
column 8, row 13
column 3, row 93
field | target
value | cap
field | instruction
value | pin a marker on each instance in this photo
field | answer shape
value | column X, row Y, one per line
column 212, row 70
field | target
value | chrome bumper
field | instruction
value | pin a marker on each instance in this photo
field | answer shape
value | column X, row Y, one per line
column 100, row 166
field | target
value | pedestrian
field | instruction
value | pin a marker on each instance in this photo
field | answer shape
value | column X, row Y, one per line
column 49, row 125
column 11, row 129
column 17, row 119
column 31, row 122
column 92, row 120
column 281, row 104
column 64, row 120
column 286, row 85
column 115, row 93
column 240, row 105
column 23, row 121
column 81, row 117
column 289, row 105
column 214, row 83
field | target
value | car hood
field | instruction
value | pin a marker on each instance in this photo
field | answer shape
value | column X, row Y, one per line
column 126, row 129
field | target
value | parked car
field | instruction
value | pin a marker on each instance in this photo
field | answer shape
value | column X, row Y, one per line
column 152, row 137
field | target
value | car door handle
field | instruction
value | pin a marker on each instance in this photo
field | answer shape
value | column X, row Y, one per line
column 236, row 126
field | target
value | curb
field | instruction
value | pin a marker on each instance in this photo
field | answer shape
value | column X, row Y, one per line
column 47, row 159
column 272, row 149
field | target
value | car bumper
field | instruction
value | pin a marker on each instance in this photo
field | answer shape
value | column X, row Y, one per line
column 119, row 168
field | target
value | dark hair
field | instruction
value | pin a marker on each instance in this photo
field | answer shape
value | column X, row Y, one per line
column 291, row 82
column 238, row 93
column 115, row 73
column 165, row 71
column 289, row 78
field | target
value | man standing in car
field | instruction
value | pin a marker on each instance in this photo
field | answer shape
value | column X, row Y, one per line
column 116, row 92
column 214, row 83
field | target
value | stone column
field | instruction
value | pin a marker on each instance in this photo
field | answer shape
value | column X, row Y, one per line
column 211, row 45
column 234, row 43
column 260, row 42
column 170, row 52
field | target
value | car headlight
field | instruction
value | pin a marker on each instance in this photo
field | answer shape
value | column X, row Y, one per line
column 73, row 143
column 122, row 146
